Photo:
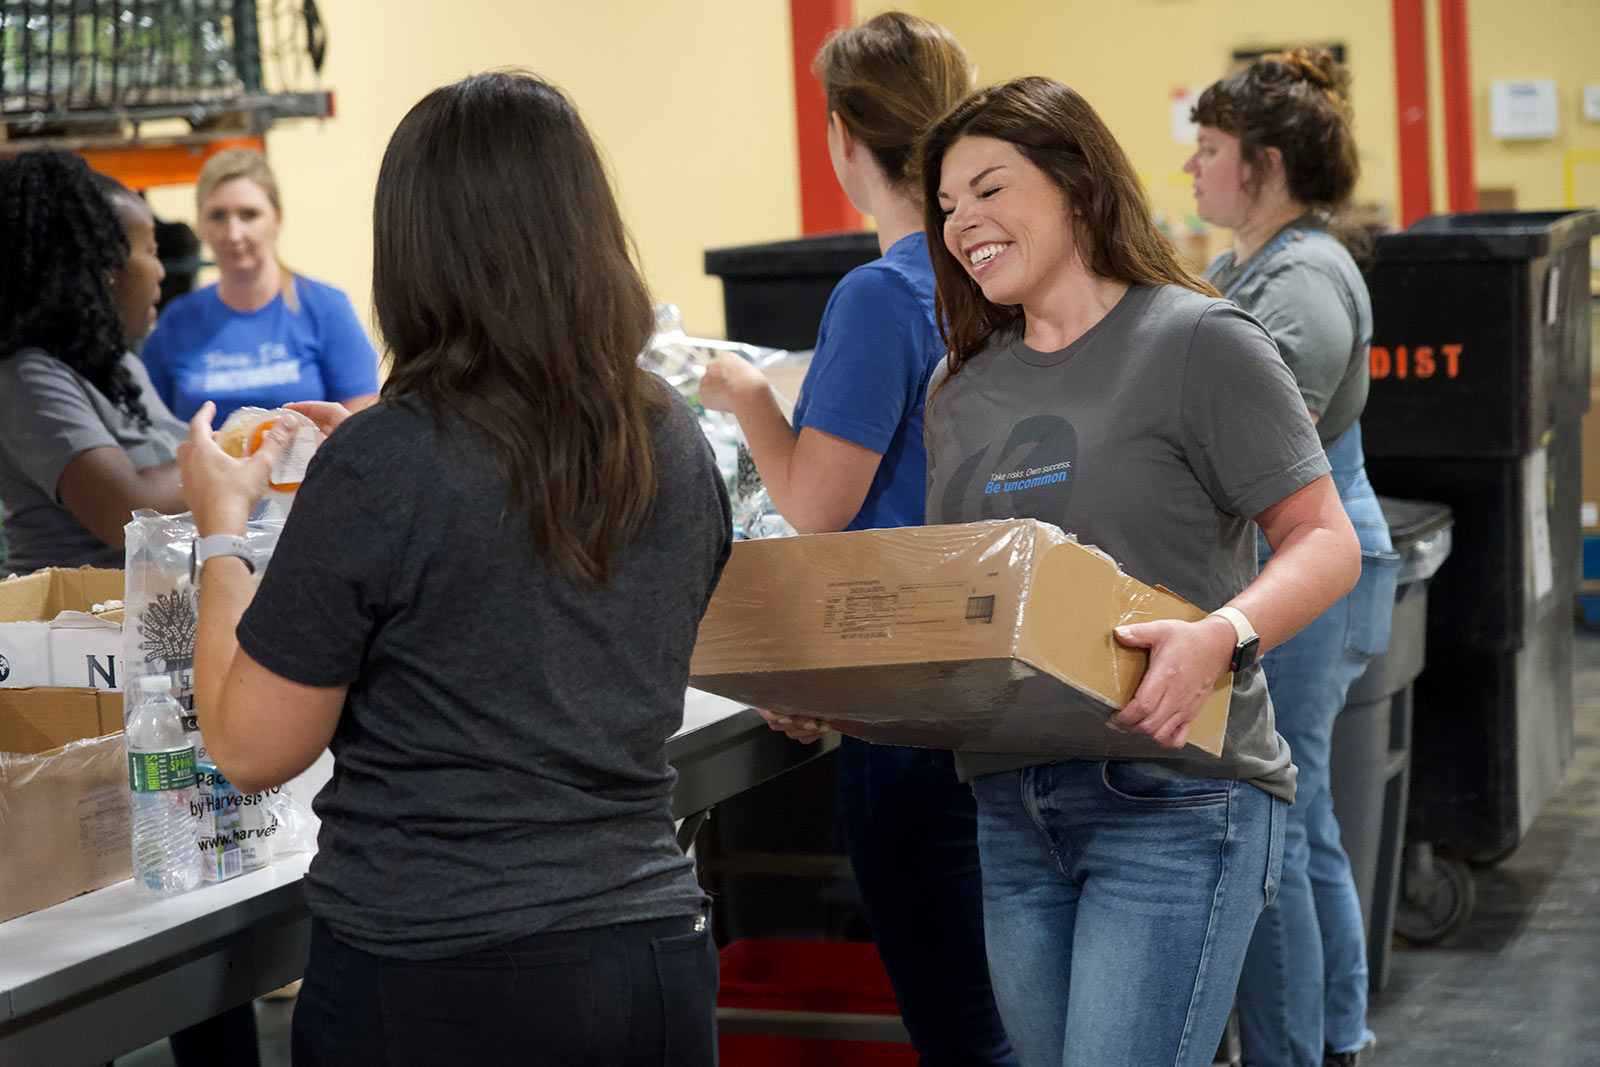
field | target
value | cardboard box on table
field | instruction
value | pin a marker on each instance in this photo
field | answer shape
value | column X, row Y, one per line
column 983, row 637
column 49, row 637
column 64, row 823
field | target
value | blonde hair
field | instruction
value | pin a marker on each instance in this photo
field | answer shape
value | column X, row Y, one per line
column 234, row 163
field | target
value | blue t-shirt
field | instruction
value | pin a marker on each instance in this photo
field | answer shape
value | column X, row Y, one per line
column 204, row 350
column 876, row 350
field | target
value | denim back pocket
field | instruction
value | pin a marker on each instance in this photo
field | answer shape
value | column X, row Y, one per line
column 1372, row 600
column 1158, row 784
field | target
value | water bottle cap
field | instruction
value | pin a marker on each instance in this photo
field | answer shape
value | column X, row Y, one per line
column 155, row 683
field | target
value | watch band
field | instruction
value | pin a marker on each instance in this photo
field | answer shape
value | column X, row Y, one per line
column 1248, row 645
column 1241, row 625
column 221, row 545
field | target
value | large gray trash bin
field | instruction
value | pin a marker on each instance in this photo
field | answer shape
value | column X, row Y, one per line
column 1372, row 736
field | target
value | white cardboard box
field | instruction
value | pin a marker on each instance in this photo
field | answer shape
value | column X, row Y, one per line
column 48, row 637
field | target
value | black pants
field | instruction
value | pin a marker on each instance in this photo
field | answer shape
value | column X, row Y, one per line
column 629, row 995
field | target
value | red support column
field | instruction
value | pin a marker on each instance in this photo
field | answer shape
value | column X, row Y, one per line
column 1411, row 101
column 1459, row 148
column 823, row 205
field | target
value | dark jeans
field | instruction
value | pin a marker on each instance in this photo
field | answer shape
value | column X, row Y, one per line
column 632, row 994
column 226, row 1040
column 912, row 831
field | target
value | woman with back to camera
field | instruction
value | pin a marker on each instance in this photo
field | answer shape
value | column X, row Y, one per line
column 484, row 601
column 1276, row 159
column 84, row 440
column 263, row 335
column 1120, row 895
column 854, row 459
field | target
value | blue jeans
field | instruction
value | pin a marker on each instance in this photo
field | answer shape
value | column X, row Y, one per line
column 1143, row 884
column 911, row 828
column 1305, row 978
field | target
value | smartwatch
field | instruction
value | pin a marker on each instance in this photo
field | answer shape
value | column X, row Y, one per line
column 205, row 548
column 1249, row 643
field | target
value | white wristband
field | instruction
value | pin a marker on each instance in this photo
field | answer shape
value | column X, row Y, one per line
column 1236, row 618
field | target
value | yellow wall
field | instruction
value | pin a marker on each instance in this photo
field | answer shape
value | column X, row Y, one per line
column 692, row 104
column 1557, row 39
column 692, row 101
column 1128, row 56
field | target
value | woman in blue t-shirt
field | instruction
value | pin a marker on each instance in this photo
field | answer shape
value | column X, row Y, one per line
column 854, row 459
column 263, row 335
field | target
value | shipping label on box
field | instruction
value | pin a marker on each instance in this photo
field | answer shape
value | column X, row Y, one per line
column 985, row 637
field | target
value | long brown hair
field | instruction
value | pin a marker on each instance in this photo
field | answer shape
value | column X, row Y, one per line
column 1058, row 132
column 888, row 80
column 506, row 291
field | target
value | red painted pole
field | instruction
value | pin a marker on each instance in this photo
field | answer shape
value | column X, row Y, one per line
column 823, row 205
column 1411, row 102
column 1458, row 138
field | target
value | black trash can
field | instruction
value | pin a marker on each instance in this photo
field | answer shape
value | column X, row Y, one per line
column 1479, row 375
column 774, row 294
column 1372, row 736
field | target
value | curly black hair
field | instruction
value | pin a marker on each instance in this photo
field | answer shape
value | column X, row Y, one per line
column 59, row 239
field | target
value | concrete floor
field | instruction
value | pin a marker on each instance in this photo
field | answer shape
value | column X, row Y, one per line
column 1518, row 985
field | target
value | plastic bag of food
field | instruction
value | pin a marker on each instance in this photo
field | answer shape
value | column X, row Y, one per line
column 682, row 361
column 244, row 429
column 160, row 608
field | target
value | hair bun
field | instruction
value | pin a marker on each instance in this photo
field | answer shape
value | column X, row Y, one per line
column 1317, row 66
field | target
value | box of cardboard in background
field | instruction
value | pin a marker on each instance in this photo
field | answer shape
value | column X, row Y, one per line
column 983, row 637
column 49, row 637
column 64, row 823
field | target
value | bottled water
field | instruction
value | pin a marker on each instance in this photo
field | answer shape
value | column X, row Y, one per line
column 163, row 791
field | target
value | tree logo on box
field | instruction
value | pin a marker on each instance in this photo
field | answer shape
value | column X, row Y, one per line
column 168, row 631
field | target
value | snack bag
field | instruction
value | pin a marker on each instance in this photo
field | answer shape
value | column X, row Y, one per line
column 241, row 435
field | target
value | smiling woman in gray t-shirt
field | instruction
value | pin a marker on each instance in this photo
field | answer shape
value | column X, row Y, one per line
column 1078, row 344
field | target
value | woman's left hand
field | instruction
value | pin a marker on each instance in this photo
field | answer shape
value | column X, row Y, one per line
column 221, row 490
column 1186, row 659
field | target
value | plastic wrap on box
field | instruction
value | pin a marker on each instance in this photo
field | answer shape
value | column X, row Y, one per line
column 64, row 822
column 982, row 637
column 682, row 361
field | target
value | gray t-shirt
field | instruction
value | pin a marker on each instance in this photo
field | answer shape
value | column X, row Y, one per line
column 49, row 413
column 1309, row 294
column 1175, row 423
column 500, row 765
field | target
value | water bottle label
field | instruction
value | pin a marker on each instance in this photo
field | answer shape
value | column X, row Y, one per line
column 150, row 772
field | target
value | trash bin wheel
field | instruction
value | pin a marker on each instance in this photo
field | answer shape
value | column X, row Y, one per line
column 1435, row 899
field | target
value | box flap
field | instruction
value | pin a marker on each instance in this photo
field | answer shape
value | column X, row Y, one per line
column 44, row 594
column 41, row 718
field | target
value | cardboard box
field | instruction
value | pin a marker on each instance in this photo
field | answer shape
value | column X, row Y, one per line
column 48, row 636
column 64, row 823
column 984, row 637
